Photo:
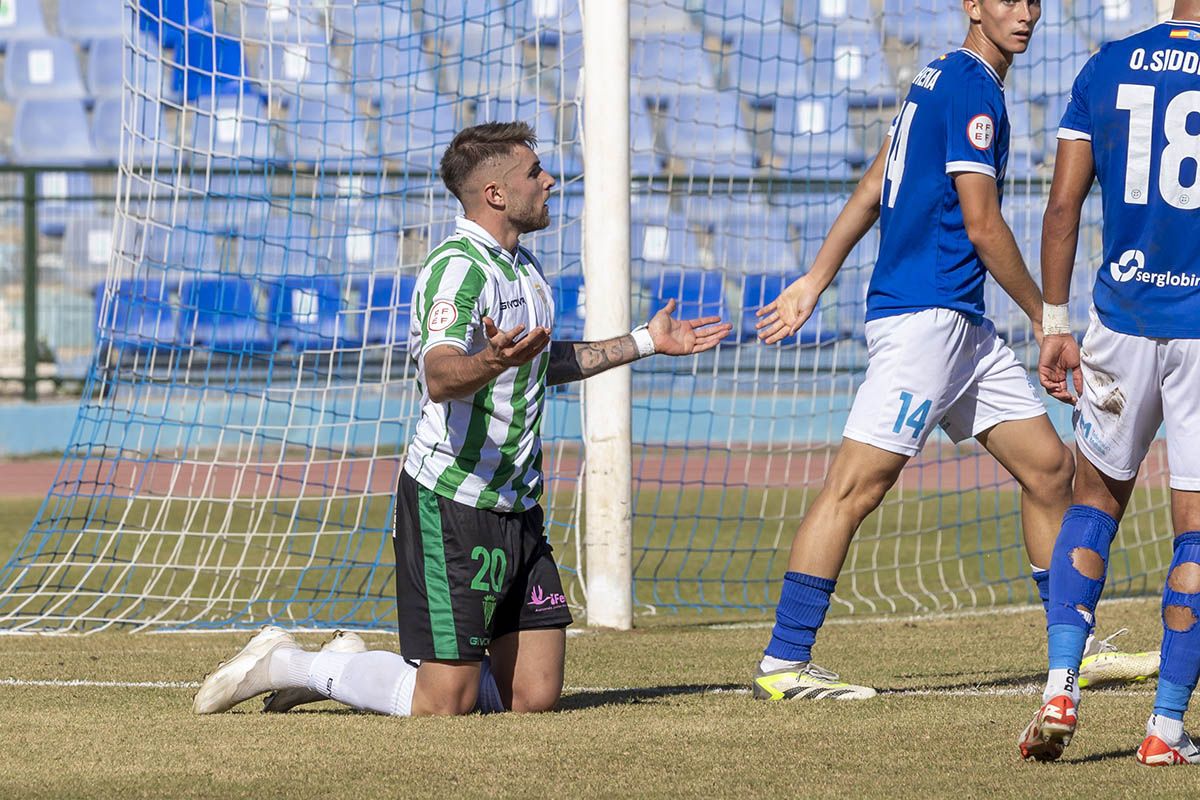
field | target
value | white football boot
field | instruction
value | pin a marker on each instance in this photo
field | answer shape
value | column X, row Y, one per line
column 286, row 699
column 245, row 675
column 1104, row 664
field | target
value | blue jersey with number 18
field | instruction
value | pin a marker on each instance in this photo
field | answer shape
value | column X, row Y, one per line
column 1138, row 101
column 953, row 120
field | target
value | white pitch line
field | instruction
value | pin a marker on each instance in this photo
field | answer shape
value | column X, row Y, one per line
column 66, row 684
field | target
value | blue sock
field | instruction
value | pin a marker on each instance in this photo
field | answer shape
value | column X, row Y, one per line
column 1180, row 668
column 803, row 603
column 1041, row 578
column 1073, row 596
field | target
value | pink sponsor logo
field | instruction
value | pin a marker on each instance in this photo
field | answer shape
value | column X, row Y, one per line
column 544, row 602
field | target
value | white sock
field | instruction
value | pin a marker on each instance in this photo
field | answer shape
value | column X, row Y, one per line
column 489, row 701
column 289, row 667
column 771, row 663
column 1087, row 646
column 377, row 680
column 1062, row 681
column 1165, row 728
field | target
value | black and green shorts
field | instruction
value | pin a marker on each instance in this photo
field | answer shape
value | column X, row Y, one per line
column 466, row 576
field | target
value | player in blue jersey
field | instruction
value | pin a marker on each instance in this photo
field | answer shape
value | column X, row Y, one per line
column 1133, row 122
column 935, row 187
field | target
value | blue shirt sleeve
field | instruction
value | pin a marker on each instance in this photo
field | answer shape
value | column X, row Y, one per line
column 1077, row 119
column 973, row 125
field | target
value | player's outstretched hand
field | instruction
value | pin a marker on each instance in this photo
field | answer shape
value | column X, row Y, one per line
column 784, row 315
column 505, row 351
column 677, row 337
column 1060, row 353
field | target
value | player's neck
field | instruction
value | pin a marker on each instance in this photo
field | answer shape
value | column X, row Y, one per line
column 505, row 235
column 1186, row 11
column 986, row 49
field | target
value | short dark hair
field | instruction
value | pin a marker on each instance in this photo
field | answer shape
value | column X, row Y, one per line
column 475, row 145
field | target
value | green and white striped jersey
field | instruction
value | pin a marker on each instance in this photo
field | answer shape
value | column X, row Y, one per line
column 484, row 451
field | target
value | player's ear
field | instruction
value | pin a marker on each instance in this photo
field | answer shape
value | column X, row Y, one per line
column 972, row 9
column 493, row 195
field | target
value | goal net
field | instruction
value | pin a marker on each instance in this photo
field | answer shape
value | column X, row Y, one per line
column 242, row 429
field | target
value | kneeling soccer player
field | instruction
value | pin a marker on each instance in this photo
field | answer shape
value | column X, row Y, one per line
column 475, row 575
column 935, row 187
column 1126, row 123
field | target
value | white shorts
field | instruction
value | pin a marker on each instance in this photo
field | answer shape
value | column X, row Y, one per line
column 1131, row 386
column 936, row 367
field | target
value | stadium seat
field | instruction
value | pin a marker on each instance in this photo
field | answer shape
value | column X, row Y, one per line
column 1056, row 56
column 731, row 18
column 483, row 60
column 87, row 245
column 655, row 17
column 742, row 249
column 1026, row 147
column 371, row 22
column 929, row 23
column 52, row 132
column 705, row 135
column 62, row 196
column 1108, row 20
column 306, row 312
column 416, row 127
column 385, row 301
column 812, row 137
column 24, row 20
column 139, row 315
column 847, row 59
column 760, row 288
column 842, row 13
column 234, row 127
column 297, row 69
column 367, row 249
column 665, row 65
column 390, row 68
column 569, row 297
column 149, row 139
column 766, row 62
column 167, row 20
column 268, row 21
column 550, row 18
column 42, row 69
column 215, row 65
column 104, row 67
column 655, row 244
column 225, row 314
column 324, row 130
column 698, row 293
column 643, row 158
column 84, row 22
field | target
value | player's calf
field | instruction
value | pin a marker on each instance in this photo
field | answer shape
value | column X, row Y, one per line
column 1180, row 655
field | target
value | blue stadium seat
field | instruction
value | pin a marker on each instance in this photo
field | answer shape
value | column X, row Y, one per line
column 390, row 68
column 847, row 59
column 760, row 288
column 297, row 69
column 643, row 157
column 483, row 61
column 169, row 20
column 655, row 17
column 385, row 302
column 928, row 22
column 52, row 132
column 736, row 17
column 698, row 293
column 266, row 21
column 705, row 135
column 666, row 65
column 766, row 62
column 148, row 132
column 63, row 195
column 42, row 69
column 1108, row 20
column 279, row 245
column 550, row 18
column 225, row 314
column 1026, row 146
column 655, row 244
column 215, row 65
column 23, row 21
column 569, row 296
column 325, row 130
column 140, row 315
column 367, row 249
column 371, row 22
column 104, row 67
column 416, row 127
column 813, row 138
column 86, row 21
column 306, row 312
column 235, row 127
column 1056, row 56
column 746, row 250
column 842, row 13
column 87, row 245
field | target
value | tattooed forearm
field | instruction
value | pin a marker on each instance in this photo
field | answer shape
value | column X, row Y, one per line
column 574, row 361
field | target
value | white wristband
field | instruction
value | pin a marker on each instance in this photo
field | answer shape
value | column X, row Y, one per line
column 1055, row 319
column 641, row 338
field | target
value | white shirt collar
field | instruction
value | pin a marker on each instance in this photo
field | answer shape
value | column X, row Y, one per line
column 990, row 70
column 477, row 232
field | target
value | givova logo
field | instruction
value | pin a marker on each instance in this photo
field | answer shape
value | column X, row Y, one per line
column 1132, row 266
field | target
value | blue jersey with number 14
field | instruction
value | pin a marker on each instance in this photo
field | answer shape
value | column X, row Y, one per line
column 953, row 120
column 1138, row 101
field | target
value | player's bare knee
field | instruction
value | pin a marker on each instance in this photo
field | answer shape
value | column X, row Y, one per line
column 535, row 702
column 1088, row 563
column 1179, row 618
column 1185, row 578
